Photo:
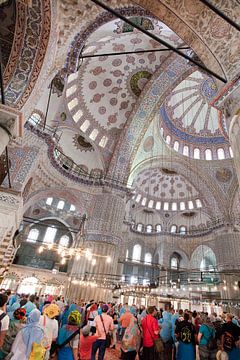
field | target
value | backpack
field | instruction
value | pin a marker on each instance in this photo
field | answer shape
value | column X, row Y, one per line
column 228, row 342
column 212, row 343
column 186, row 335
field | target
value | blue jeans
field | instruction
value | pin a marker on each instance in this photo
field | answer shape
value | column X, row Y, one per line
column 99, row 345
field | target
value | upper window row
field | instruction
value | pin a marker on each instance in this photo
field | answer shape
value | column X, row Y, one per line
column 49, row 236
column 136, row 255
column 173, row 206
column 158, row 228
column 60, row 205
column 208, row 154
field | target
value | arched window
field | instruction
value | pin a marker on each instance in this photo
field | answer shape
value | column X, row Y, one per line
column 64, row 241
column 196, row 153
column 173, row 229
column 138, row 198
column 94, row 134
column 168, row 139
column 150, row 204
column 136, row 253
column 50, row 235
column 34, row 119
column 127, row 255
column 182, row 230
column 158, row 228
column 176, row 145
column 144, row 200
column 182, row 205
column 166, row 206
column 149, row 228
column 230, row 152
column 103, row 141
column 186, row 150
column 49, row 201
column 72, row 207
column 220, row 154
column 198, row 203
column 148, row 258
column 139, row 227
column 208, row 154
column 85, row 125
column 190, row 205
column 174, row 206
column 158, row 205
column 60, row 205
column 174, row 263
column 33, row 235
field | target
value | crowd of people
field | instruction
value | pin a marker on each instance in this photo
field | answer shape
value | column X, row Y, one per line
column 47, row 327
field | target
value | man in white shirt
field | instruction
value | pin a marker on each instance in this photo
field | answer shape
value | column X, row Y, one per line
column 4, row 319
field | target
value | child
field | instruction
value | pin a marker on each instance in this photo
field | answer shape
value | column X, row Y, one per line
column 86, row 342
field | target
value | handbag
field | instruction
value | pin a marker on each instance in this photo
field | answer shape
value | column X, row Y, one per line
column 158, row 343
column 108, row 336
column 38, row 352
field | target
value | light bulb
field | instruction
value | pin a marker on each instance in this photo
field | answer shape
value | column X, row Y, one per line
column 78, row 256
column 109, row 259
column 63, row 254
column 224, row 288
column 94, row 262
column 63, row 261
column 40, row 250
column 50, row 246
column 71, row 252
column 190, row 289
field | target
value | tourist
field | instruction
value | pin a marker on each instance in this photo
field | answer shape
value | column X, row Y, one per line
column 68, row 337
column 114, row 333
column 150, row 330
column 185, row 334
column 92, row 312
column 13, row 304
column 50, row 325
column 207, row 340
column 67, row 311
column 104, row 324
column 230, row 335
column 16, row 324
column 4, row 318
column 124, row 320
column 166, row 335
column 30, row 305
column 131, row 340
column 29, row 334
column 86, row 342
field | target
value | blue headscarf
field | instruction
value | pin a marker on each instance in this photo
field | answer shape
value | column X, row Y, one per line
column 29, row 307
column 32, row 332
column 13, row 305
column 166, row 326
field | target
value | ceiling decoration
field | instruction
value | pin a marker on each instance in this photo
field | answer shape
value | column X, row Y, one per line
column 106, row 87
column 188, row 118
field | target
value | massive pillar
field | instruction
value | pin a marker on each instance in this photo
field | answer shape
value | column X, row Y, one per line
column 227, row 251
column 92, row 274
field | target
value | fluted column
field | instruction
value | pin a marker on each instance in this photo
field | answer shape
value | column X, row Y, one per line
column 90, row 280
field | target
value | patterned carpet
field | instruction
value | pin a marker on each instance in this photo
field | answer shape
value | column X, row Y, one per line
column 112, row 354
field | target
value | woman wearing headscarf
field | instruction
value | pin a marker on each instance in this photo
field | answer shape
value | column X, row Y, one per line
column 206, row 334
column 19, row 319
column 50, row 325
column 131, row 340
column 166, row 334
column 29, row 334
column 68, row 338
column 13, row 305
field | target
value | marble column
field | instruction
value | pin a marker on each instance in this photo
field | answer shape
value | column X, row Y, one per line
column 103, row 238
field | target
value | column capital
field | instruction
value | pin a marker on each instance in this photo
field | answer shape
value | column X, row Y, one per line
column 11, row 121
